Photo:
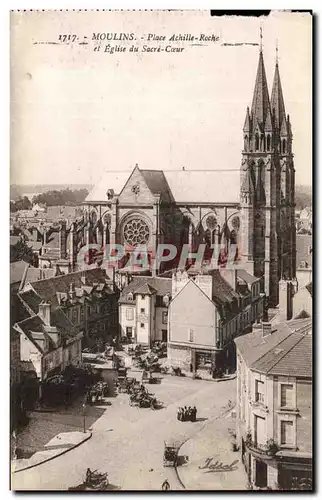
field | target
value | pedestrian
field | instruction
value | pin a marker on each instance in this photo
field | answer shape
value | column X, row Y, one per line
column 194, row 414
column 165, row 485
column 185, row 414
column 178, row 413
column 88, row 475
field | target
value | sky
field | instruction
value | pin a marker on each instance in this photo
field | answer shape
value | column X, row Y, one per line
column 76, row 112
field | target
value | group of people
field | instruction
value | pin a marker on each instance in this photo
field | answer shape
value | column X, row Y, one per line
column 187, row 414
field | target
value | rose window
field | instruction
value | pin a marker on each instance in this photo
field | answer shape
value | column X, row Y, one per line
column 136, row 232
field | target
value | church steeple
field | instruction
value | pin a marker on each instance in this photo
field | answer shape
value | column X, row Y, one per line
column 260, row 104
column 277, row 100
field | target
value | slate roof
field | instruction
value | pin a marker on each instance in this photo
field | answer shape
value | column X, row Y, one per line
column 62, row 323
column 35, row 274
column 17, row 270
column 245, row 276
column 145, row 289
column 222, row 291
column 156, row 182
column 146, row 284
column 286, row 351
column 30, row 326
column 35, row 329
column 110, row 180
column 47, row 289
column 207, row 186
column 186, row 186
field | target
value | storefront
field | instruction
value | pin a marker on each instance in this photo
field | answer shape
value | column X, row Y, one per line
column 295, row 473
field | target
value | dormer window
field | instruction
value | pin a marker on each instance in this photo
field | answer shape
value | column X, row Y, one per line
column 130, row 296
column 284, row 145
column 268, row 143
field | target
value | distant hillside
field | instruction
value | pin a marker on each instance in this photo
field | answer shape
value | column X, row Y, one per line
column 303, row 196
column 19, row 191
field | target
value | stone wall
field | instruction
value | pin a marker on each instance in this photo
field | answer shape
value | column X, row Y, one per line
column 179, row 356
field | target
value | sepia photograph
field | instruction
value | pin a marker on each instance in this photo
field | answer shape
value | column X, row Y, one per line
column 161, row 256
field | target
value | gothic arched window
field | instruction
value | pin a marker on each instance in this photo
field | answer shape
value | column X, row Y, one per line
column 245, row 142
column 268, row 143
column 233, row 237
column 94, row 217
column 256, row 142
column 284, row 145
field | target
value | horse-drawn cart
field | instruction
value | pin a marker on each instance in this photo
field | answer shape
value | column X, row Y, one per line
column 94, row 481
column 170, row 456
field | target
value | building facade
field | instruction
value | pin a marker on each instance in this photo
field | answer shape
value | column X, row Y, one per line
column 206, row 313
column 274, row 405
column 87, row 298
column 49, row 341
column 143, row 310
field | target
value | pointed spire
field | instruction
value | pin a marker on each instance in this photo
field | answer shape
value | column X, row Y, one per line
column 277, row 100
column 247, row 127
column 260, row 104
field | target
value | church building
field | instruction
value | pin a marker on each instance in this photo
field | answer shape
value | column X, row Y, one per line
column 251, row 206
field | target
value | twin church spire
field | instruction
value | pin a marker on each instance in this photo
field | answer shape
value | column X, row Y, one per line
column 267, row 115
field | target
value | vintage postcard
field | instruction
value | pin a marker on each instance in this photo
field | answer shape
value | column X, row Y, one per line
column 161, row 251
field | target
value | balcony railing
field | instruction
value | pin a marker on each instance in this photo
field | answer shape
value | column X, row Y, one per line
column 267, row 450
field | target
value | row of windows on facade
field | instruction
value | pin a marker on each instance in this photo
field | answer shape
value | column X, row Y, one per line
column 76, row 314
column 287, row 431
column 265, row 145
column 159, row 301
column 130, row 315
column 286, row 394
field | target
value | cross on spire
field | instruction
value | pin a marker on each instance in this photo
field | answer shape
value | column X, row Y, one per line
column 276, row 49
column 261, row 39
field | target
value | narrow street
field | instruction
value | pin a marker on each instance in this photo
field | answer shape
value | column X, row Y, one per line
column 128, row 442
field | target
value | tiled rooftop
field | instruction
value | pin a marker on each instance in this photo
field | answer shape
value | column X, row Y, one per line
column 286, row 351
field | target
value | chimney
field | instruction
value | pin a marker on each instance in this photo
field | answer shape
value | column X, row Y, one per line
column 44, row 312
column 62, row 240
column 266, row 329
column 205, row 282
column 72, row 245
column 286, row 299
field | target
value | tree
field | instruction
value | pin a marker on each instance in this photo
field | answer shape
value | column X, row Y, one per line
column 21, row 204
column 63, row 197
column 21, row 251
